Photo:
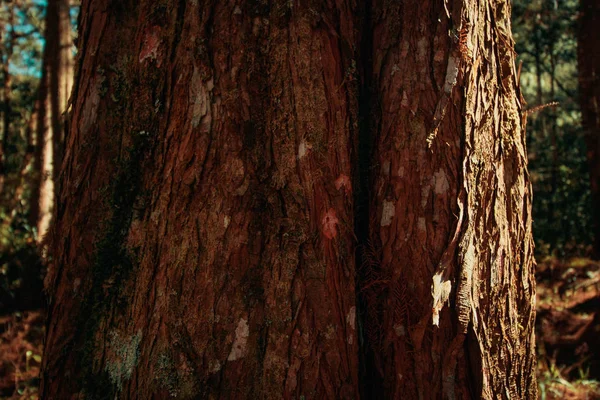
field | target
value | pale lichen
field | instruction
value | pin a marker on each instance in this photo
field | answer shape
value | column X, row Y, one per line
column 124, row 353
column 389, row 210
column 239, row 347
column 303, row 148
column 441, row 182
column 200, row 94
column 351, row 318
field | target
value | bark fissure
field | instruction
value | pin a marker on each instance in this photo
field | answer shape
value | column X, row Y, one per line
column 367, row 265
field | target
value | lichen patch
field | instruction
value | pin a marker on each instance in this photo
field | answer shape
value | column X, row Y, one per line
column 399, row 330
column 240, row 343
column 401, row 171
column 421, row 224
column 200, row 94
column 303, row 149
column 214, row 366
column 76, row 284
column 123, row 354
column 389, row 210
column 351, row 318
column 441, row 182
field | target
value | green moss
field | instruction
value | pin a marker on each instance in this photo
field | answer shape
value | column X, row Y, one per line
column 112, row 266
column 179, row 384
column 103, row 87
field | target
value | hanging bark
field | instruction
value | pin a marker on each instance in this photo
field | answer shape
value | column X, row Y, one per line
column 204, row 239
column 589, row 91
column 451, row 205
column 55, row 88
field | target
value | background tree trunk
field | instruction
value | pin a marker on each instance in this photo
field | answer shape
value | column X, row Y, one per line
column 7, row 52
column 204, row 236
column 451, row 205
column 589, row 94
column 55, row 88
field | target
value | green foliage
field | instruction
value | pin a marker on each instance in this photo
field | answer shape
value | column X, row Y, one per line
column 545, row 36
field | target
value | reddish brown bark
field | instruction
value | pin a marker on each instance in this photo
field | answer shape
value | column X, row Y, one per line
column 7, row 50
column 589, row 92
column 204, row 238
column 204, row 242
column 450, row 205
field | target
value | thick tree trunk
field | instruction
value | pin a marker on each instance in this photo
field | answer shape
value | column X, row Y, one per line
column 55, row 88
column 204, row 236
column 204, row 241
column 589, row 92
column 451, row 205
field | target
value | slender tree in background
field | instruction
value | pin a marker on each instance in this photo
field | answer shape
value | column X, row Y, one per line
column 20, row 272
column 55, row 88
column 589, row 93
column 8, row 42
column 206, row 226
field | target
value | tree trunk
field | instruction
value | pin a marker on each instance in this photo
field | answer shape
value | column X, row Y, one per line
column 589, row 92
column 451, row 205
column 55, row 87
column 61, row 77
column 204, row 240
column 204, row 235
column 8, row 48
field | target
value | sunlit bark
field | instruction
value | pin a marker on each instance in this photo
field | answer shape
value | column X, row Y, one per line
column 56, row 83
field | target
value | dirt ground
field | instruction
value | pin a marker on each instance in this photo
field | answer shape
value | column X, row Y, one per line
column 568, row 336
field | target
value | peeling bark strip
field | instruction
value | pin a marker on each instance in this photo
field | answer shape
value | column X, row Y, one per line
column 204, row 242
column 453, row 224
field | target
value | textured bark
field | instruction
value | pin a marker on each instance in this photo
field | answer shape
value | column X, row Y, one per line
column 7, row 50
column 589, row 91
column 204, row 239
column 55, row 88
column 451, row 205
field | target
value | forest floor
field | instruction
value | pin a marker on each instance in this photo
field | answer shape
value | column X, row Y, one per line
column 567, row 329
column 21, row 346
